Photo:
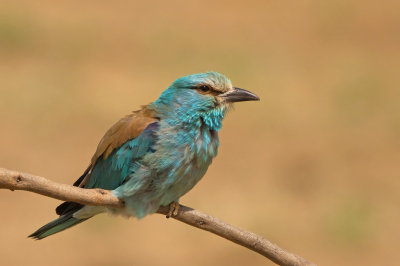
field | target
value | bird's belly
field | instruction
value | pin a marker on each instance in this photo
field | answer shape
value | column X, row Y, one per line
column 187, row 163
column 182, row 183
column 168, row 173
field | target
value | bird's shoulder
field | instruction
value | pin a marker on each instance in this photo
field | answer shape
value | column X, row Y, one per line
column 127, row 128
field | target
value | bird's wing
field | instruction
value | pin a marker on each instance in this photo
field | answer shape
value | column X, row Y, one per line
column 110, row 172
column 129, row 127
column 129, row 138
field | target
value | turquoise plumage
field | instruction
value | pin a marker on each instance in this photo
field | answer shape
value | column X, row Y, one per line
column 156, row 155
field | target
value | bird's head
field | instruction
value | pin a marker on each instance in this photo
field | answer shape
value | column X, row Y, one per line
column 207, row 95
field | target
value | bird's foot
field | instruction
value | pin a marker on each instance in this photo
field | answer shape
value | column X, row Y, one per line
column 173, row 209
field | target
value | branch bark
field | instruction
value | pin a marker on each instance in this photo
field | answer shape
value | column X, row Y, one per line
column 14, row 180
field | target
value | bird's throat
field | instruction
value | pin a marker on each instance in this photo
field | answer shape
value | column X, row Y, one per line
column 213, row 118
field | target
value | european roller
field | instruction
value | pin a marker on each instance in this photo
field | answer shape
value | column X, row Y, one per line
column 155, row 155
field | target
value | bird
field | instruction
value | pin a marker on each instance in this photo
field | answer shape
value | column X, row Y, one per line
column 155, row 155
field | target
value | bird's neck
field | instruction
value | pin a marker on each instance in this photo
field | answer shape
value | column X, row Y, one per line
column 213, row 118
column 189, row 116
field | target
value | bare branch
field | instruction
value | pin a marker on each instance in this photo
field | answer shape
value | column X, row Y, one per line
column 14, row 180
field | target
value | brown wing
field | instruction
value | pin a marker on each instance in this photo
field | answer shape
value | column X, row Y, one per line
column 129, row 127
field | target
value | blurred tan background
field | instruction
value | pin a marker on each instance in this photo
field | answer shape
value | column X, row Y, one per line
column 313, row 167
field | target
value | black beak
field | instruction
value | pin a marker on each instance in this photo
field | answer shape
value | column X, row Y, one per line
column 238, row 95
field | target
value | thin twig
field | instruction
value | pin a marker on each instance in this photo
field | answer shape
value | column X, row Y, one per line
column 14, row 180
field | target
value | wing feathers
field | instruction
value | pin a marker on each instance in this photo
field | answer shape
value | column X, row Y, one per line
column 109, row 173
column 129, row 127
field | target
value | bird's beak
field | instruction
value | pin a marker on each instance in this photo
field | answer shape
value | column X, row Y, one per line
column 238, row 95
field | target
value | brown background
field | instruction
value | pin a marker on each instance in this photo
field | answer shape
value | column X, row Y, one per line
column 314, row 166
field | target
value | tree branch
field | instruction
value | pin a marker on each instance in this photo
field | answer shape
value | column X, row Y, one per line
column 14, row 180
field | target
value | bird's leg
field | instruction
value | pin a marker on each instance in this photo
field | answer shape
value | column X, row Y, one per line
column 173, row 209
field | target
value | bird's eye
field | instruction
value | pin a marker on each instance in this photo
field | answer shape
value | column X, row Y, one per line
column 204, row 88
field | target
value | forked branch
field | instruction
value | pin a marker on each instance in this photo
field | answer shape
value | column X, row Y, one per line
column 14, row 180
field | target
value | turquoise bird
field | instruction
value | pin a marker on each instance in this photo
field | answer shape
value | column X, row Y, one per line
column 155, row 155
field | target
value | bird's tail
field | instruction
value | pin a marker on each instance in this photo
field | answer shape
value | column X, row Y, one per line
column 65, row 221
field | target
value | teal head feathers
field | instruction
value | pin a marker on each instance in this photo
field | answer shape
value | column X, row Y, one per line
column 208, row 95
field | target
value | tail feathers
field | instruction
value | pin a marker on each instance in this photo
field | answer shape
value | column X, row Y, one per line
column 62, row 223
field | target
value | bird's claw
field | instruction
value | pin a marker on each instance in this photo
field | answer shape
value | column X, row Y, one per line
column 173, row 209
